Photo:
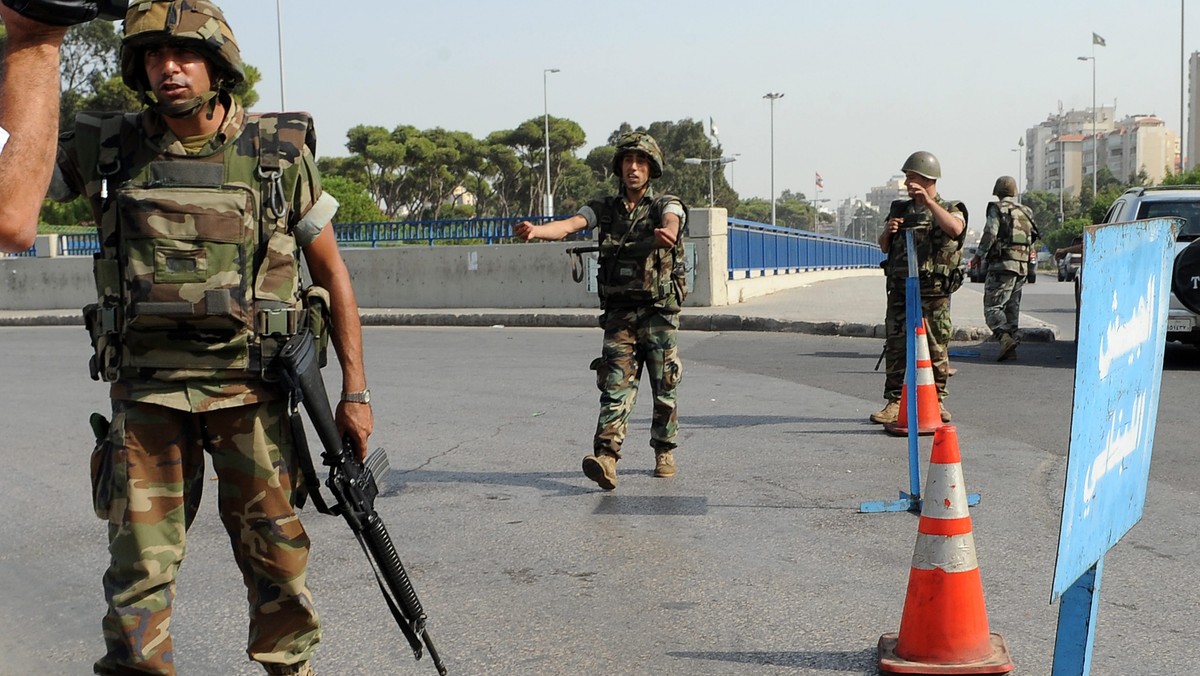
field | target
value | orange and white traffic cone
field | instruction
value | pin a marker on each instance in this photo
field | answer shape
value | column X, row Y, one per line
column 944, row 628
column 929, row 413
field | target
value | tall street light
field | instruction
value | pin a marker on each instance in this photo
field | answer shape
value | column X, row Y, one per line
column 771, row 96
column 279, row 31
column 712, row 167
column 1095, row 163
column 549, row 206
column 1020, row 165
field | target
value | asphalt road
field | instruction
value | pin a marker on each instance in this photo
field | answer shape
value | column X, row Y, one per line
column 752, row 560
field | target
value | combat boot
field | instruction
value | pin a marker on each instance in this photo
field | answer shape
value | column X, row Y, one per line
column 664, row 464
column 1008, row 347
column 889, row 414
column 601, row 468
column 945, row 413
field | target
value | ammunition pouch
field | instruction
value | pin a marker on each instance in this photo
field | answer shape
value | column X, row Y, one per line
column 316, row 306
column 101, row 466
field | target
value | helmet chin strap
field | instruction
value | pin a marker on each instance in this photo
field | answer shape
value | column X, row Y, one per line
column 187, row 108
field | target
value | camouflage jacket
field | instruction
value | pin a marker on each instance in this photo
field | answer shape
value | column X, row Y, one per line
column 938, row 254
column 633, row 270
column 198, row 274
column 1008, row 236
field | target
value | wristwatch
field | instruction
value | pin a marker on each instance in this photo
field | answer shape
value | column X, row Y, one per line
column 363, row 397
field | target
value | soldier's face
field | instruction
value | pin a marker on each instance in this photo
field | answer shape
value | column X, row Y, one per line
column 913, row 180
column 176, row 73
column 635, row 170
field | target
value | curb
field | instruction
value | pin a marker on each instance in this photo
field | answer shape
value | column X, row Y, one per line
column 588, row 320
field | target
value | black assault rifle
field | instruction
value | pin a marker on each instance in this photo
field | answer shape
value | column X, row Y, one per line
column 353, row 486
column 576, row 253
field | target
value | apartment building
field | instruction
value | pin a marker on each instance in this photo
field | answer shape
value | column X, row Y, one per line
column 1059, row 152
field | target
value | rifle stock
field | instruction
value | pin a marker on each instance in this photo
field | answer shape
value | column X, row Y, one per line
column 354, row 487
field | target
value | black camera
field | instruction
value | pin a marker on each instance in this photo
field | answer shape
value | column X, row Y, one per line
column 917, row 219
column 70, row 12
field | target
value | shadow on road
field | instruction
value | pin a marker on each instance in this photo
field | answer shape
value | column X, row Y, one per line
column 862, row 661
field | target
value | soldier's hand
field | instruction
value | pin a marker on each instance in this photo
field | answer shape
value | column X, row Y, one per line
column 918, row 193
column 893, row 225
column 357, row 421
column 524, row 230
column 665, row 237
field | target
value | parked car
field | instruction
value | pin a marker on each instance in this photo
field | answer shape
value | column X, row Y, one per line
column 1179, row 201
column 1068, row 265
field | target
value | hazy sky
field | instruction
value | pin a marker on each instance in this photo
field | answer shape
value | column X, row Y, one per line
column 865, row 82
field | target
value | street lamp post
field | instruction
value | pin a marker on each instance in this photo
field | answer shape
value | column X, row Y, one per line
column 1020, row 165
column 1095, row 163
column 549, row 206
column 771, row 96
column 279, row 32
column 712, row 167
column 1062, row 168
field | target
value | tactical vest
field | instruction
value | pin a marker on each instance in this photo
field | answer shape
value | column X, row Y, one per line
column 633, row 271
column 1015, row 232
column 197, row 276
column 938, row 254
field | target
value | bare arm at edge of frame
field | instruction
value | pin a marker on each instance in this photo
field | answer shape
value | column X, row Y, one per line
column 29, row 99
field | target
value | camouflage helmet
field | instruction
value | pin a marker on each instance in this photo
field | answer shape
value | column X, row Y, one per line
column 1006, row 186
column 638, row 141
column 196, row 24
column 923, row 163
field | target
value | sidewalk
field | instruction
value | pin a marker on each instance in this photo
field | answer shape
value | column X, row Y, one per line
column 853, row 305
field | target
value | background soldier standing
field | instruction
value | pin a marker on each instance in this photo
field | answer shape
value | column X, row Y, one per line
column 202, row 211
column 641, row 283
column 939, row 228
column 1007, row 238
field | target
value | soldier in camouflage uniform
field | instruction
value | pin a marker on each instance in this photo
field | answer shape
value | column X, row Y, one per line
column 202, row 210
column 1008, row 235
column 939, row 228
column 641, row 286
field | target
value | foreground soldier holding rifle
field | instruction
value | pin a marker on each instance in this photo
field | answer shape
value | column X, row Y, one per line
column 353, row 485
column 203, row 211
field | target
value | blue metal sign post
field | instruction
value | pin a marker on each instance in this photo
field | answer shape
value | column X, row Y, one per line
column 1124, row 298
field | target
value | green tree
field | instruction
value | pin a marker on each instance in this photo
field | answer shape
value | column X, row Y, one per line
column 354, row 202
column 865, row 225
column 690, row 182
column 755, row 209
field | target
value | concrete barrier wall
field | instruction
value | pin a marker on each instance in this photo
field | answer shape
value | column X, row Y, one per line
column 531, row 275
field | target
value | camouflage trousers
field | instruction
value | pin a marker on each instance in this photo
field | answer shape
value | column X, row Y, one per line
column 938, row 329
column 148, row 476
column 633, row 339
column 1002, row 301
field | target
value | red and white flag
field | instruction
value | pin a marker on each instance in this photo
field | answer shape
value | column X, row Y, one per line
column 820, row 183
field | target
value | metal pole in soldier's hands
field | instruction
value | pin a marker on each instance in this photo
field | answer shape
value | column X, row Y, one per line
column 912, row 318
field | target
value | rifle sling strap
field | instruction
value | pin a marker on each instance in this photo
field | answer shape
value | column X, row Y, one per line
column 311, row 484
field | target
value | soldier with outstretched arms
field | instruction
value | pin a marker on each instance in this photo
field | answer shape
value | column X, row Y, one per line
column 642, row 285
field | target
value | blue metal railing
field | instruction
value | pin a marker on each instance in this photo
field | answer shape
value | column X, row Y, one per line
column 84, row 244
column 31, row 252
column 487, row 230
column 757, row 249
